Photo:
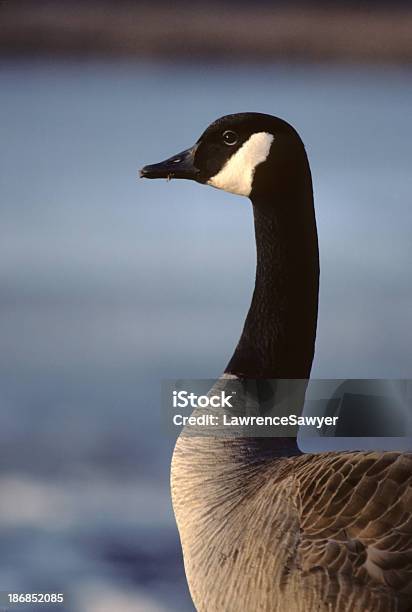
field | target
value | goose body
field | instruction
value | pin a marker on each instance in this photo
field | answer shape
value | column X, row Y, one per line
column 259, row 532
column 264, row 528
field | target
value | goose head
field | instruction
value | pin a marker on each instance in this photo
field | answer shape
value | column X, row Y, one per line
column 263, row 158
column 247, row 154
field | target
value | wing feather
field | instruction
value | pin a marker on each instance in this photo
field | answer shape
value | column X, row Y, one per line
column 356, row 519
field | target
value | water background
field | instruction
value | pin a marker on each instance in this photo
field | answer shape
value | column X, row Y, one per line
column 109, row 284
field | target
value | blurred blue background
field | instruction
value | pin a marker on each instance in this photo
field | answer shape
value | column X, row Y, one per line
column 110, row 284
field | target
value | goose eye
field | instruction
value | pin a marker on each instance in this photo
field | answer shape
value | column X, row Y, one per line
column 229, row 137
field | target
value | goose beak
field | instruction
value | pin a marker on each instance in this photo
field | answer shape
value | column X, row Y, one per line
column 178, row 166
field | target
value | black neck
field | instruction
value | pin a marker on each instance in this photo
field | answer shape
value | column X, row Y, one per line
column 278, row 338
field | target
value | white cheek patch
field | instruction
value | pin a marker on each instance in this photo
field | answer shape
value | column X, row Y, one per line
column 236, row 176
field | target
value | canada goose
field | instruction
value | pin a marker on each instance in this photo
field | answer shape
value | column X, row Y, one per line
column 264, row 528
